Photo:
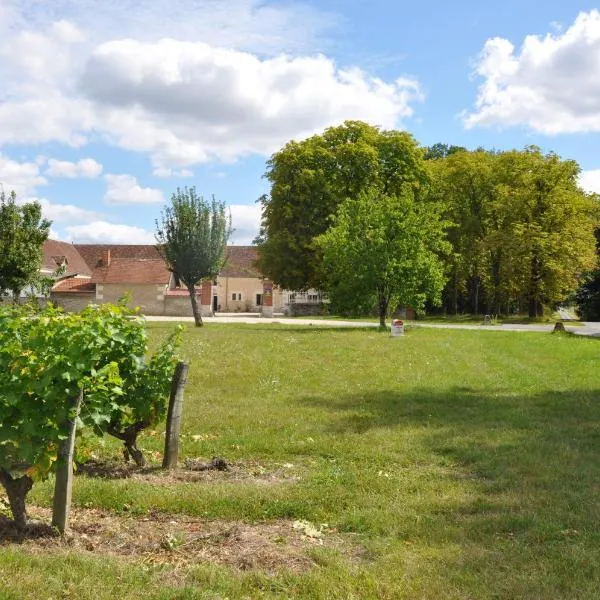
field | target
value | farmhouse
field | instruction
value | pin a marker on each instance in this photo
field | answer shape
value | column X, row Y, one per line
column 96, row 273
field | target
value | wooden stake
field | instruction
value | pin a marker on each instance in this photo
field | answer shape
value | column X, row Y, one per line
column 63, row 489
column 174, row 416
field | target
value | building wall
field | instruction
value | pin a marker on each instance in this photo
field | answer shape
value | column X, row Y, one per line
column 248, row 287
column 153, row 301
column 73, row 302
column 149, row 297
column 178, row 306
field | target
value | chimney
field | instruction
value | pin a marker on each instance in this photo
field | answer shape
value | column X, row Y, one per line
column 105, row 260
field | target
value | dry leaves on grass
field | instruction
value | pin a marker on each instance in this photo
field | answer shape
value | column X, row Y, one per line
column 181, row 541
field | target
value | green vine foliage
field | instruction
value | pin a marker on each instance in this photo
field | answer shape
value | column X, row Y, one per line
column 46, row 357
column 146, row 389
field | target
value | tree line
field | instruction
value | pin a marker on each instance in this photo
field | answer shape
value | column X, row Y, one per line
column 373, row 218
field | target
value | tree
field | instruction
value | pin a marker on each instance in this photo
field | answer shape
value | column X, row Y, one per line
column 587, row 295
column 463, row 183
column 23, row 232
column 384, row 250
column 521, row 233
column 192, row 237
column 547, row 233
column 442, row 151
column 310, row 179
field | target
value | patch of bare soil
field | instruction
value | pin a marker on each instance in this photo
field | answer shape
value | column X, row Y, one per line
column 181, row 541
column 216, row 469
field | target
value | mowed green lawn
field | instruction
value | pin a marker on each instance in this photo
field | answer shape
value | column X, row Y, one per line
column 462, row 464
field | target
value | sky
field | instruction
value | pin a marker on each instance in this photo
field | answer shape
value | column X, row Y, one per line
column 108, row 106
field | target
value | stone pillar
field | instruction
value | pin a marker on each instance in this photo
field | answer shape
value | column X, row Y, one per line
column 267, row 301
column 206, row 299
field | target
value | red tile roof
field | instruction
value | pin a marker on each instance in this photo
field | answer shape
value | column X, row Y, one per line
column 55, row 253
column 92, row 253
column 74, row 284
column 241, row 262
column 135, row 264
column 133, row 270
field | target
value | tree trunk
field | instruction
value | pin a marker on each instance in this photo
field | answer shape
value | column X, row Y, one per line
column 536, row 308
column 134, row 452
column 383, row 306
column 17, row 490
column 195, row 309
column 129, row 438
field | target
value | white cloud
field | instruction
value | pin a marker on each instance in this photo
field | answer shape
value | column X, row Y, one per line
column 166, row 172
column 46, row 117
column 550, row 85
column 22, row 177
column 590, row 181
column 188, row 102
column 86, row 167
column 124, row 189
column 99, row 77
column 254, row 25
column 102, row 232
column 245, row 220
column 65, row 213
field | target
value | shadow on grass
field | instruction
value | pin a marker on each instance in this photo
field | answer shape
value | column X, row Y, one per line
column 113, row 469
column 34, row 530
column 531, row 462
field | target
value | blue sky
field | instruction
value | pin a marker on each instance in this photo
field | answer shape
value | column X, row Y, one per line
column 108, row 106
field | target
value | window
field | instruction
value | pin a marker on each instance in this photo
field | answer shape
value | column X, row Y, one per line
column 258, row 299
column 236, row 296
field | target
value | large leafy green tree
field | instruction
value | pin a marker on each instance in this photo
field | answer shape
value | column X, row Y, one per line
column 384, row 250
column 544, row 230
column 311, row 178
column 522, row 230
column 463, row 183
column 192, row 237
column 23, row 232
column 440, row 150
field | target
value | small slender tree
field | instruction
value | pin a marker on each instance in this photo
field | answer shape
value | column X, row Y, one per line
column 384, row 251
column 192, row 237
column 23, row 232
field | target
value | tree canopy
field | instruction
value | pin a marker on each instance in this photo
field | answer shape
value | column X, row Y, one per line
column 192, row 237
column 522, row 231
column 384, row 250
column 23, row 232
column 311, row 178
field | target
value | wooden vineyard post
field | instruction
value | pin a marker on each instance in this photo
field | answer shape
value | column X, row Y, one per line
column 63, row 488
column 174, row 416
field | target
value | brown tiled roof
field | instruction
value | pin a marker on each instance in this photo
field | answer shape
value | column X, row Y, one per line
column 92, row 253
column 133, row 270
column 241, row 262
column 74, row 284
column 56, row 252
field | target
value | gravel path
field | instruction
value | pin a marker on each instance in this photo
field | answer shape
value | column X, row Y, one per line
column 587, row 329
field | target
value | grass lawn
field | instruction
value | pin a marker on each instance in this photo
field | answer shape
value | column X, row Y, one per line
column 446, row 464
